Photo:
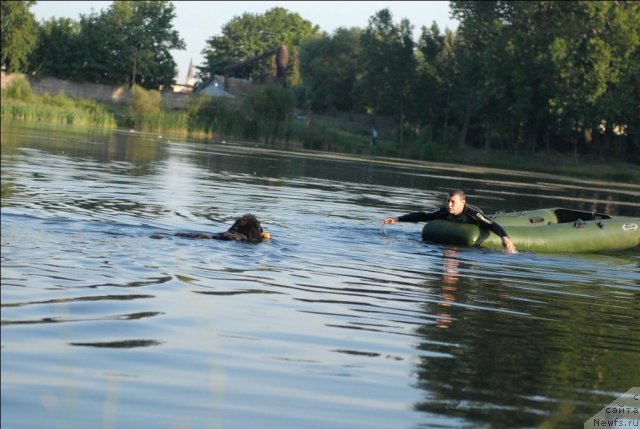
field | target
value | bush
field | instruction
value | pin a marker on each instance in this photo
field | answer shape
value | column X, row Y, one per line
column 19, row 89
column 268, row 108
column 216, row 116
column 145, row 109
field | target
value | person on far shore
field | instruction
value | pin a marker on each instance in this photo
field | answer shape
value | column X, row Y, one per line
column 459, row 211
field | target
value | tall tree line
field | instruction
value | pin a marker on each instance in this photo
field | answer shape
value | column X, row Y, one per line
column 128, row 43
column 517, row 76
column 520, row 76
column 541, row 75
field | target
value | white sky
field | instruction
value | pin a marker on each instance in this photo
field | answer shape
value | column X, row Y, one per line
column 197, row 21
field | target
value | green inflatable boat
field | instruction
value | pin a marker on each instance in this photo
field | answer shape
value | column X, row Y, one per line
column 543, row 230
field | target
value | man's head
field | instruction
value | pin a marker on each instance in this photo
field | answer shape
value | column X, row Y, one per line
column 456, row 202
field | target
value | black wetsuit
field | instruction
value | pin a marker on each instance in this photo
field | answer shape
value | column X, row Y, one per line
column 470, row 214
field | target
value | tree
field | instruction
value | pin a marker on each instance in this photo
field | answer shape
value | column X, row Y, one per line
column 56, row 52
column 249, row 35
column 329, row 70
column 480, row 23
column 432, row 90
column 546, row 71
column 129, row 43
column 388, row 65
column 18, row 34
column 152, row 37
column 620, row 103
column 588, row 64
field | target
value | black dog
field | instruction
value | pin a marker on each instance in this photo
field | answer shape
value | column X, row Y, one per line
column 245, row 228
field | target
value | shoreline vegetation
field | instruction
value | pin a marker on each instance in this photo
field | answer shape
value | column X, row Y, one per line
column 267, row 117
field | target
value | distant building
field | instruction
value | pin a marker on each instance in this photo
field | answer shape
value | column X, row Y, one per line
column 214, row 87
column 190, row 83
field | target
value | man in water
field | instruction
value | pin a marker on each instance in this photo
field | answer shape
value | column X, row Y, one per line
column 459, row 211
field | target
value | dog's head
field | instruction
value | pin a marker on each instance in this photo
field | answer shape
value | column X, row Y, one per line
column 249, row 226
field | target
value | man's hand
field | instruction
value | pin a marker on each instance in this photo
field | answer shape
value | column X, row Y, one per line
column 508, row 245
column 389, row 220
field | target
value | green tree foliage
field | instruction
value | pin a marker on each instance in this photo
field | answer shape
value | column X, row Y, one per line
column 18, row 34
column 621, row 101
column 432, row 89
column 475, row 57
column 129, row 43
column 249, row 35
column 56, row 52
column 542, row 72
column 388, row 64
column 388, row 67
column 589, row 64
column 329, row 65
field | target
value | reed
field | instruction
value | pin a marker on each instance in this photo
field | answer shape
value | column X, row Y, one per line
column 328, row 136
column 165, row 122
column 19, row 102
column 218, row 118
column 85, row 115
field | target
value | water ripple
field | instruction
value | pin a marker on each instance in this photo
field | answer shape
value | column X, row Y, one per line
column 333, row 323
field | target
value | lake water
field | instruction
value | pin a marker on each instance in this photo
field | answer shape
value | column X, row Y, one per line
column 334, row 323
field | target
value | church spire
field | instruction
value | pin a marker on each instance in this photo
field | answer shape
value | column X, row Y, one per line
column 190, row 78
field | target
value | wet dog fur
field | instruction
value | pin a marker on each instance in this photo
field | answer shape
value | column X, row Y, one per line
column 246, row 228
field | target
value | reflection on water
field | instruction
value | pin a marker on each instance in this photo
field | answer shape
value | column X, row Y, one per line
column 448, row 286
column 333, row 323
column 524, row 337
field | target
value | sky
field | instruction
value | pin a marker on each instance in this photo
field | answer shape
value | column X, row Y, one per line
column 197, row 21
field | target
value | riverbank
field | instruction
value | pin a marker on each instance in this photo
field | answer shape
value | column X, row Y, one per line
column 582, row 174
column 581, row 167
column 549, row 163
column 20, row 103
column 355, row 147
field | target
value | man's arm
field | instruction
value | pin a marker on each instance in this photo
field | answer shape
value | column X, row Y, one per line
column 480, row 218
column 418, row 216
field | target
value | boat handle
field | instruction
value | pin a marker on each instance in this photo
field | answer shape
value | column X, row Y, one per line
column 579, row 224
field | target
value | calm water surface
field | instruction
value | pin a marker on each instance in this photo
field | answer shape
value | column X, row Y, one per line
column 334, row 323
